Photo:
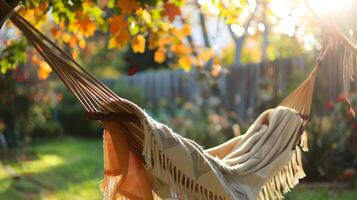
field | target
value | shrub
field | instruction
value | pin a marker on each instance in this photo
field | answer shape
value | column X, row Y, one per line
column 71, row 117
column 333, row 144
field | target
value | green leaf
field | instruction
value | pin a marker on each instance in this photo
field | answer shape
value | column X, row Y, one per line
column 12, row 56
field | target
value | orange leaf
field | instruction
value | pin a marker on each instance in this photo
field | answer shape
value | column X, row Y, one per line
column 119, row 40
column 159, row 55
column 185, row 63
column 43, row 71
column 186, row 30
column 55, row 32
column 127, row 6
column 171, row 11
column 164, row 41
column 84, row 25
column 216, row 70
column 180, row 49
column 74, row 54
column 117, row 23
column 138, row 44
column 73, row 41
column 153, row 41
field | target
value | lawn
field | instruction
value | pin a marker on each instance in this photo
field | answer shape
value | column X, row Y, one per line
column 71, row 168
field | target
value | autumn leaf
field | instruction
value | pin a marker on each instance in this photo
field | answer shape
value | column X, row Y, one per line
column 159, row 55
column 119, row 40
column 75, row 54
column 132, row 70
column 84, row 25
column 44, row 70
column 153, row 41
column 56, row 33
column 145, row 15
column 186, row 30
column 82, row 43
column 117, row 23
column 66, row 37
column 205, row 55
column 171, row 11
column 127, row 6
column 180, row 49
column 138, row 44
column 164, row 41
column 185, row 63
column 216, row 70
column 73, row 41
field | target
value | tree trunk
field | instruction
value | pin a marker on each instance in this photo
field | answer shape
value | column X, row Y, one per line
column 239, row 41
column 265, row 43
column 204, row 30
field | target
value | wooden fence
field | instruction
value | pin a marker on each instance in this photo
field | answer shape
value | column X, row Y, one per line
column 241, row 88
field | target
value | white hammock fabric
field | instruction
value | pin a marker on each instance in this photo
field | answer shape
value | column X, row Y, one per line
column 261, row 164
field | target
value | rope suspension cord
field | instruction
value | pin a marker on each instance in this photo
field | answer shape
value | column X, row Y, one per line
column 301, row 98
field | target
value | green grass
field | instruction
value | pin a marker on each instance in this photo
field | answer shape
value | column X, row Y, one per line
column 322, row 194
column 65, row 168
column 71, row 168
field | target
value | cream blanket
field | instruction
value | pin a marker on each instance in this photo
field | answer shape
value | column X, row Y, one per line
column 263, row 163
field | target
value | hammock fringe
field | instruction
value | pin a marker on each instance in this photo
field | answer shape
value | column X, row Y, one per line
column 181, row 186
column 285, row 180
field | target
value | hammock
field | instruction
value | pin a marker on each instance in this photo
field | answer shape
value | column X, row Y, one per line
column 144, row 159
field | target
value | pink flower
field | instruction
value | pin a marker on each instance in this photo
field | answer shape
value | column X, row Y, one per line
column 341, row 98
column 59, row 97
column 350, row 112
column 349, row 173
column 329, row 105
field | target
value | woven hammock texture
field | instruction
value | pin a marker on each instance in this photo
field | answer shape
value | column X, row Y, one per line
column 144, row 159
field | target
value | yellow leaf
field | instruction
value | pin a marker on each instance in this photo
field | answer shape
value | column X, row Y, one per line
column 138, row 44
column 84, row 25
column 119, row 40
column 66, row 37
column 145, row 15
column 43, row 71
column 127, row 6
column 185, row 63
column 159, row 55
column 177, row 33
column 205, row 55
column 82, row 44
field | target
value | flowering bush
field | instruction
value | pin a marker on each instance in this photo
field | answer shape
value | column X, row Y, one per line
column 333, row 143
